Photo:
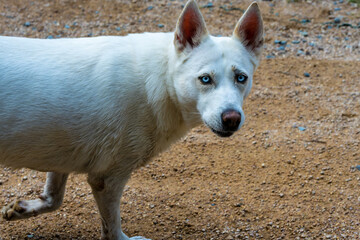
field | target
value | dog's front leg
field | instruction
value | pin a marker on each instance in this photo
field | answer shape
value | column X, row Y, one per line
column 48, row 201
column 107, row 191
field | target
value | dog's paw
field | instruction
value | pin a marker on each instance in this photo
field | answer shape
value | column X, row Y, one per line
column 139, row 238
column 14, row 210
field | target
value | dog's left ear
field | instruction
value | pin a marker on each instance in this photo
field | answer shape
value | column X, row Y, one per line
column 191, row 28
column 249, row 30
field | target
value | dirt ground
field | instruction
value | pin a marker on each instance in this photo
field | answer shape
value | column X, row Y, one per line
column 289, row 173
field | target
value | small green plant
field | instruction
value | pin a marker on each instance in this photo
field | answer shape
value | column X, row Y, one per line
column 355, row 1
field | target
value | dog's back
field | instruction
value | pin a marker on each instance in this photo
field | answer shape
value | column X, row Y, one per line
column 62, row 102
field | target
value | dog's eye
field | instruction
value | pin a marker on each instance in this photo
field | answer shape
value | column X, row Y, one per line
column 241, row 78
column 205, row 79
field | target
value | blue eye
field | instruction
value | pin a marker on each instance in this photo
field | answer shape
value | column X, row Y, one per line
column 241, row 78
column 205, row 79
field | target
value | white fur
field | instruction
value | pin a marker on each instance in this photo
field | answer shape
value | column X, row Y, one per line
column 106, row 105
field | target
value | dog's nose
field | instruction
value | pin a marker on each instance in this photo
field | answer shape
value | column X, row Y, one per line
column 231, row 120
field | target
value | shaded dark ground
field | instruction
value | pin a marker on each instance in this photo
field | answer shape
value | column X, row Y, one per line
column 269, row 181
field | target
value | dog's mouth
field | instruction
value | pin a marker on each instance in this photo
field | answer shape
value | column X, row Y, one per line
column 222, row 133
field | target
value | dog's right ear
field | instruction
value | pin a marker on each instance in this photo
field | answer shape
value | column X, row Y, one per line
column 190, row 29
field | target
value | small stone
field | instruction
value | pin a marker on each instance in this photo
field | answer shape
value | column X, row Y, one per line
column 118, row 28
column 50, row 37
column 270, row 56
column 150, row 7
column 208, row 5
column 67, row 26
column 302, row 128
column 295, row 42
column 300, row 52
column 30, row 235
column 358, row 167
column 305, row 20
column 304, row 33
column 27, row 24
column 337, row 20
column 281, row 195
column 160, row 25
column 306, row 74
column 312, row 44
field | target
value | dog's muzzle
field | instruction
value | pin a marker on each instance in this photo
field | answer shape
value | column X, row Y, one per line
column 222, row 133
column 230, row 120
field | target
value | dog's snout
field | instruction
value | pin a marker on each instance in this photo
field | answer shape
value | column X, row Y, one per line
column 231, row 120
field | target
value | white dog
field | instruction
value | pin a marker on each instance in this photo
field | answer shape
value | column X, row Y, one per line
column 106, row 105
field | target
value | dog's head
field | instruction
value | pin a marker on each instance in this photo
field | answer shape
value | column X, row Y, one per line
column 213, row 75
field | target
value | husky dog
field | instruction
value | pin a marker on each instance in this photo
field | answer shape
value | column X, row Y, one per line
column 105, row 106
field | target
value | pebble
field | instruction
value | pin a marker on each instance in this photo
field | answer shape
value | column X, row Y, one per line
column 295, row 42
column 27, row 24
column 281, row 42
column 337, row 20
column 312, row 44
column 306, row 74
column 304, row 33
column 160, row 25
column 300, row 52
column 67, row 26
column 337, row 9
column 150, row 7
column 118, row 28
column 270, row 56
column 30, row 235
column 50, row 37
column 302, row 128
column 305, row 20
column 281, row 48
column 358, row 167
column 208, row 5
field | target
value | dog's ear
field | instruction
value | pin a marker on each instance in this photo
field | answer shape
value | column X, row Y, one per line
column 249, row 29
column 191, row 28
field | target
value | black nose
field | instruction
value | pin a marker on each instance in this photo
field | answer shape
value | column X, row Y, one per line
column 230, row 120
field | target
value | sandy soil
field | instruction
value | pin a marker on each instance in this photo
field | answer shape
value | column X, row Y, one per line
column 289, row 173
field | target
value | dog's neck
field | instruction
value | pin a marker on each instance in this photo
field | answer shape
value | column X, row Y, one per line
column 172, row 120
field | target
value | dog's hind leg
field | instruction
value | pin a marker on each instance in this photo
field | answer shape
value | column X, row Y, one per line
column 48, row 201
column 107, row 192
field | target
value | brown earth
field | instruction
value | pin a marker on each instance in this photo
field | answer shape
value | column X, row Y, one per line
column 271, row 180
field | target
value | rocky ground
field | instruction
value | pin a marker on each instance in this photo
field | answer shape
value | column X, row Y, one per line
column 289, row 173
